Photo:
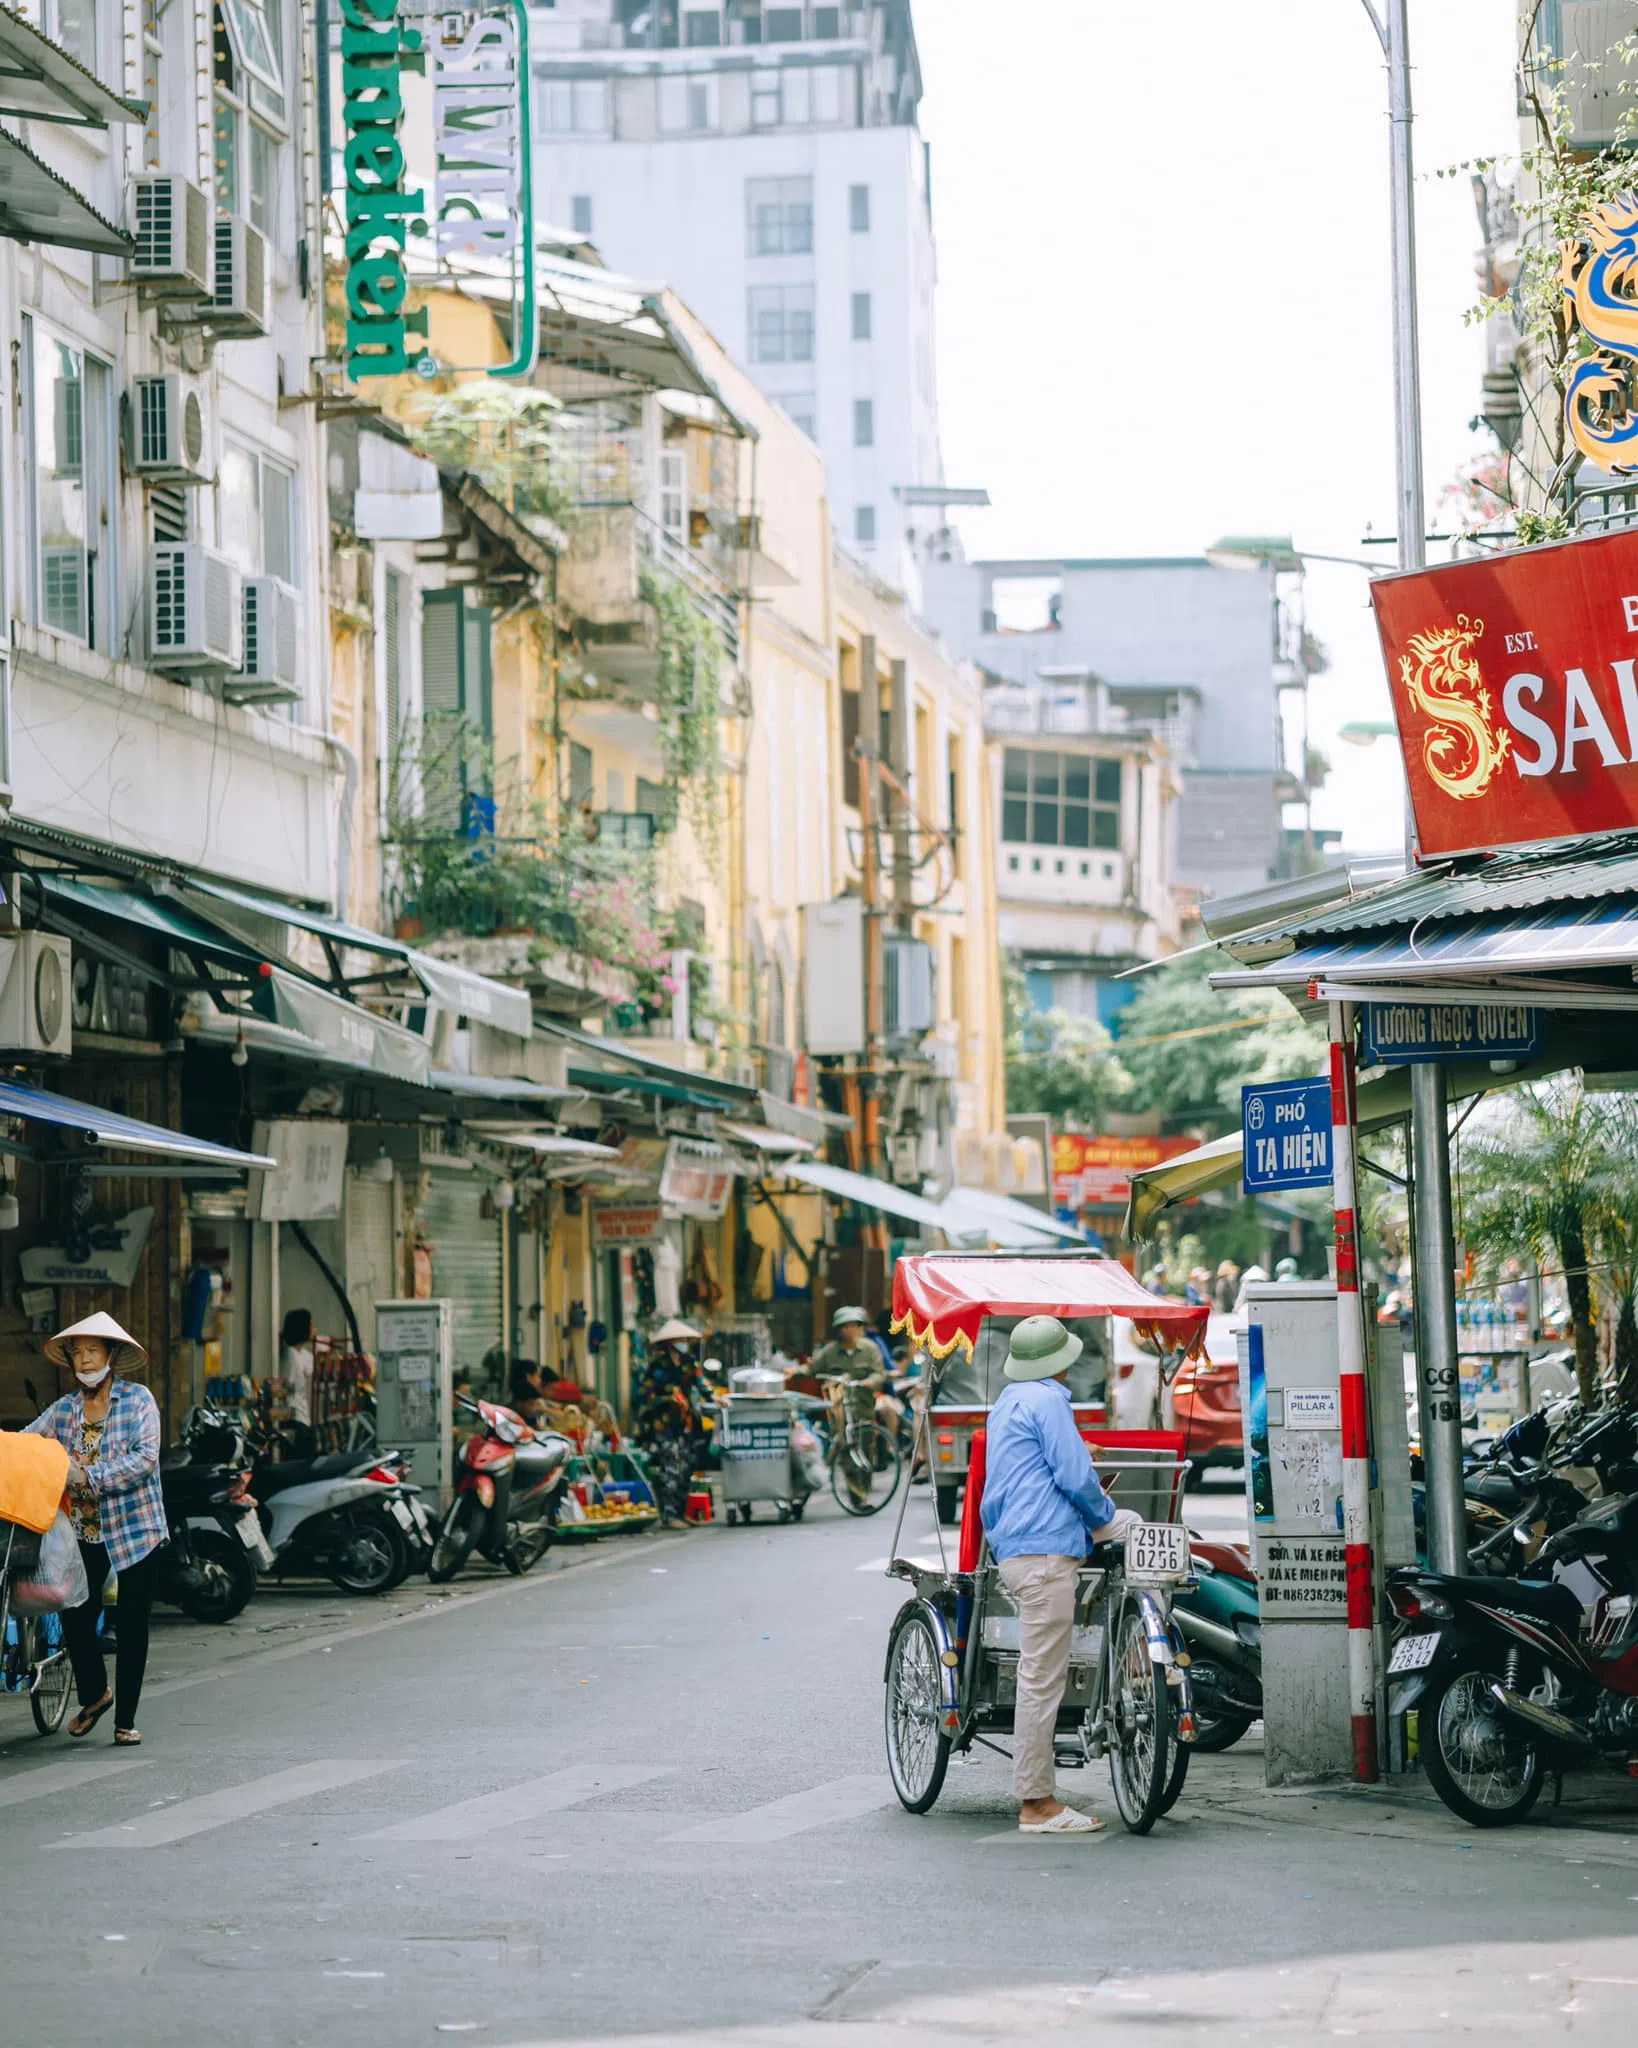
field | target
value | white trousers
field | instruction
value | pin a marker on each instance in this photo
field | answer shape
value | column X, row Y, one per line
column 1044, row 1588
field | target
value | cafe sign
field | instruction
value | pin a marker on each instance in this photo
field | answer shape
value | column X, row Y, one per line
column 481, row 219
column 1515, row 689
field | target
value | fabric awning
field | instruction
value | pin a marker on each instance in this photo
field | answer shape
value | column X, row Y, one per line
column 551, row 1144
column 66, row 895
column 863, row 1189
column 121, row 1133
column 732, row 1093
column 1007, row 1221
column 451, row 987
column 350, row 1035
column 941, row 1298
column 41, row 81
column 777, row 1144
column 38, row 206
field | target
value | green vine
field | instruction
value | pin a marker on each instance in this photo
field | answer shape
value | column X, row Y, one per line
column 689, row 692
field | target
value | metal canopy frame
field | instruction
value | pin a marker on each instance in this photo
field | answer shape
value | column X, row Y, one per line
column 40, row 81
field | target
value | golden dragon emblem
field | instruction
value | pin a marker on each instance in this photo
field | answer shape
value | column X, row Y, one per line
column 1599, row 275
column 1464, row 749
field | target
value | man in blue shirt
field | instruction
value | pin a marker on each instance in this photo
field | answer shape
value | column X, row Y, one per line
column 1042, row 1502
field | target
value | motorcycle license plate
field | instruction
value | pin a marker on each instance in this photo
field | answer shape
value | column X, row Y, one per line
column 1410, row 1653
column 1157, row 1554
column 401, row 1514
column 250, row 1532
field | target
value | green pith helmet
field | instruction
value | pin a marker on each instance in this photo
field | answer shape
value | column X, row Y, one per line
column 1041, row 1349
column 844, row 1316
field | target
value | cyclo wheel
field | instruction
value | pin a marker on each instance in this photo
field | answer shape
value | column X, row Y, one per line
column 1177, row 1774
column 43, row 1647
column 1140, row 1726
column 918, row 1750
column 864, row 1474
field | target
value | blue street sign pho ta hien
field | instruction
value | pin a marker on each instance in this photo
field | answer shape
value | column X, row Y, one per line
column 1287, row 1130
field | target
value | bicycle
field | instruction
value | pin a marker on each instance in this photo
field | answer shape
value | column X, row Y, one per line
column 33, row 1654
column 864, row 1458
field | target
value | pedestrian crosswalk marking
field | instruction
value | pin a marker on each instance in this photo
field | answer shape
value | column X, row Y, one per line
column 515, row 1803
column 839, row 1799
column 39, row 1784
column 235, row 1802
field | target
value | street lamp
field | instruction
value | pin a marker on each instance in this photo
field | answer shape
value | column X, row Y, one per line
column 1249, row 553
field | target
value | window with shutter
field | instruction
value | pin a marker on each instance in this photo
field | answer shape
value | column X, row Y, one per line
column 442, row 749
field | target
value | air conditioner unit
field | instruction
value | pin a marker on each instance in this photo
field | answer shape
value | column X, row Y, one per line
column 238, row 306
column 271, row 615
column 908, row 1007
column 194, row 609
column 171, row 224
column 166, row 429
column 36, row 993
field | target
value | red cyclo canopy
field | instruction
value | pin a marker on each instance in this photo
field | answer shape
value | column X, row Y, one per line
column 942, row 1297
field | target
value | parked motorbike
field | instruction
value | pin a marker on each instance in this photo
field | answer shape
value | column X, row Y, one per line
column 349, row 1516
column 1513, row 1677
column 1221, row 1627
column 216, row 1546
column 508, row 1491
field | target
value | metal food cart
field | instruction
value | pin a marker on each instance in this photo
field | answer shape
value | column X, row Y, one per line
column 952, row 1659
column 754, row 1441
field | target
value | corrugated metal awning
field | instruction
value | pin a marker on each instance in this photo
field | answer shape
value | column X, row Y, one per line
column 122, row 1133
column 40, row 81
column 38, row 206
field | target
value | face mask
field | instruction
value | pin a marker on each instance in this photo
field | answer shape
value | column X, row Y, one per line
column 91, row 1377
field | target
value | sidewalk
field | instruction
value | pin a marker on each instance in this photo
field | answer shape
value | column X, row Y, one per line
column 1596, row 1822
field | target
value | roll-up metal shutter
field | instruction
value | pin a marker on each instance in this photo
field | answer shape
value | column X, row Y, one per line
column 467, row 1259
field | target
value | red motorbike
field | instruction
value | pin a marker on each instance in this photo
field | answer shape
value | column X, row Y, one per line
column 508, row 1491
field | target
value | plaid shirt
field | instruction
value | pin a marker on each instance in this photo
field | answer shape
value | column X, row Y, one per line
column 125, row 1477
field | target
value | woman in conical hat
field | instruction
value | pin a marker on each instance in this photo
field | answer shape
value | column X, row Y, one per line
column 109, row 1427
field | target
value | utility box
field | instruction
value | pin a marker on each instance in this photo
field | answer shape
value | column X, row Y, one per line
column 833, row 970
column 1291, row 1410
column 414, row 1411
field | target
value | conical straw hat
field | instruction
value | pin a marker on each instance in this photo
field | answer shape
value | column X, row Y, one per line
column 125, row 1353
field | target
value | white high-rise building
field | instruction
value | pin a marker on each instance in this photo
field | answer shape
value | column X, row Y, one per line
column 765, row 161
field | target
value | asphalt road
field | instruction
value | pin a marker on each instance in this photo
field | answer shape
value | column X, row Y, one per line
column 641, row 1794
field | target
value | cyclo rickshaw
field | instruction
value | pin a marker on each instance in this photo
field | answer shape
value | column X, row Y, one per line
column 952, row 1656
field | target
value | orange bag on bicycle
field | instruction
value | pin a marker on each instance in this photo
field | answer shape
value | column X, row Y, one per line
column 33, row 1474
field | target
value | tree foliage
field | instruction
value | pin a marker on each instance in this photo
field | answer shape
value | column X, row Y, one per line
column 1188, row 1048
column 1058, row 1066
column 1551, row 1181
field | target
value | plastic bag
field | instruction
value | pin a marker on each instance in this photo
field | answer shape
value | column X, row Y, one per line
column 58, row 1580
column 807, row 1457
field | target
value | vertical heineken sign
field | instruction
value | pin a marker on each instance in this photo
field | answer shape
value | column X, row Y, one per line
column 481, row 221
column 374, row 45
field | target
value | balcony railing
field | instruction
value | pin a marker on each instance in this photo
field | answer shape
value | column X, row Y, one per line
column 710, row 590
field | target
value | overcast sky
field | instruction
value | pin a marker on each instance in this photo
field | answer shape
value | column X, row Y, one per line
column 1163, row 305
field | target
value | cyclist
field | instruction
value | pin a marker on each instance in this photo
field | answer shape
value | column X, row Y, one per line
column 855, row 1363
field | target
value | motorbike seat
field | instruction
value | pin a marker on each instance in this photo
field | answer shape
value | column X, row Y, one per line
column 1544, row 1599
column 303, row 1471
column 1498, row 1490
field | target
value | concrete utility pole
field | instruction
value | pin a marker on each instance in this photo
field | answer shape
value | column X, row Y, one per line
column 899, row 761
column 1437, row 1371
column 870, row 741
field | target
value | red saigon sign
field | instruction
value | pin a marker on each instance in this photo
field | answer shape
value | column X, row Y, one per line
column 1513, row 684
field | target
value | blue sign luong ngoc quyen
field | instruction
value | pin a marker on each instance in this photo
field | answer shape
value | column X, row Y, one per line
column 1402, row 1034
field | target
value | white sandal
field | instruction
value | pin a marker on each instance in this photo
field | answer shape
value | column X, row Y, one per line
column 1066, row 1822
